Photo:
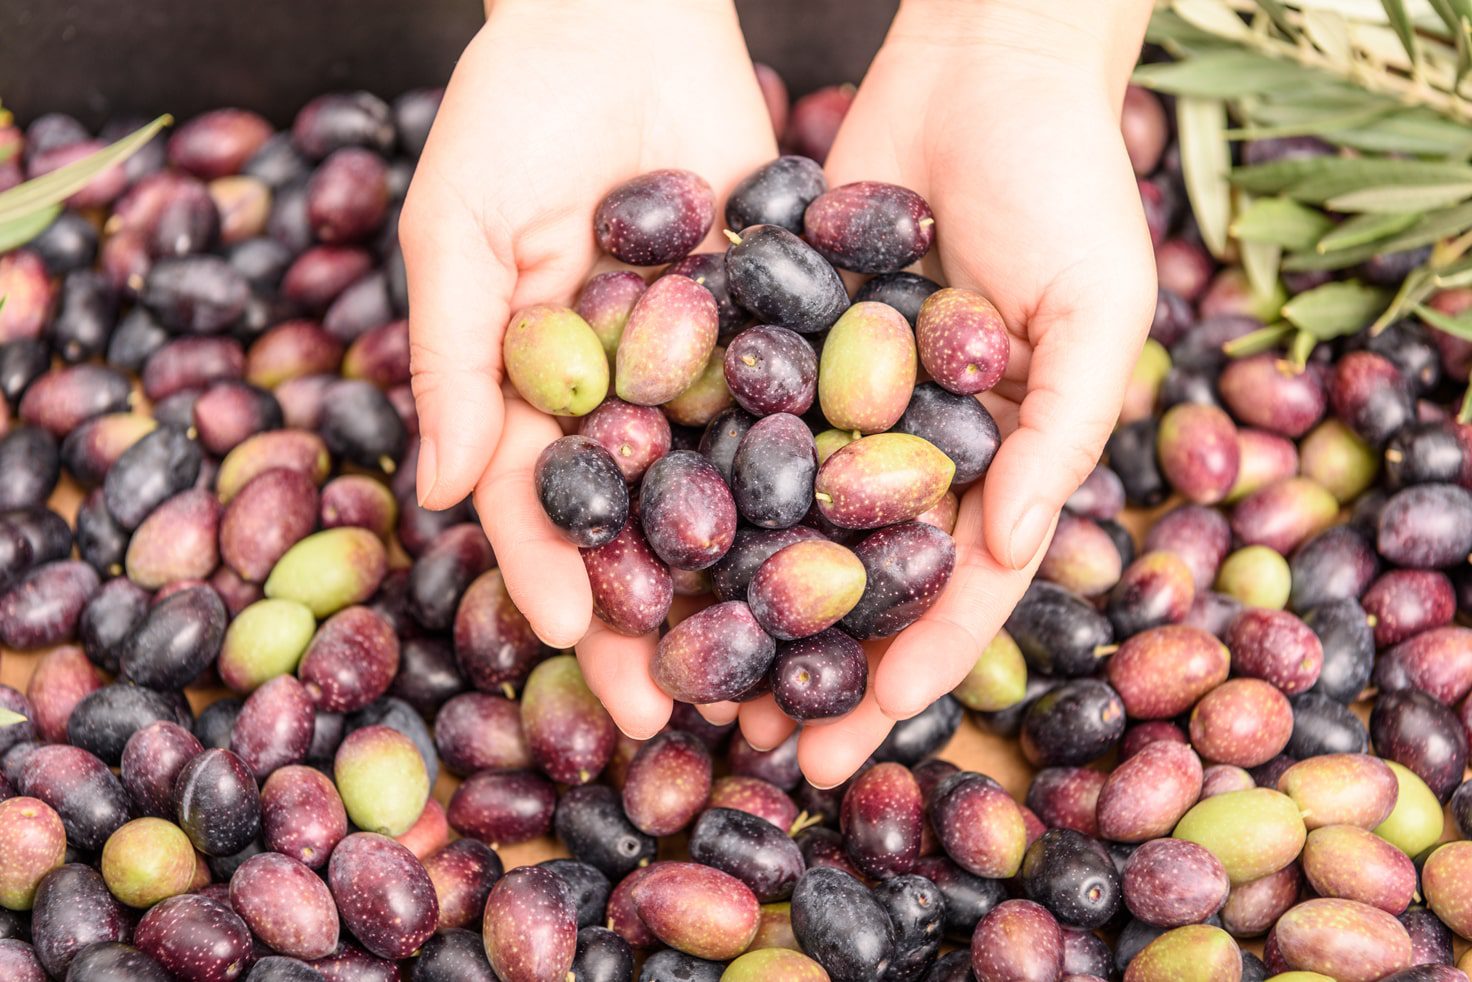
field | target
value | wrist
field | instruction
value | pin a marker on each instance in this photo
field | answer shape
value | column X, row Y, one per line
column 1097, row 41
column 601, row 12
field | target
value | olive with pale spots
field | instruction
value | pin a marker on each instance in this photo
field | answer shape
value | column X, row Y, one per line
column 1199, row 451
column 302, row 815
column 275, row 726
column 1067, row 797
column 963, row 340
column 959, row 426
column 820, row 677
column 1077, row 722
column 632, row 587
column 805, row 588
column 666, row 342
column 1254, row 906
column 1019, row 940
column 881, row 819
column 217, row 802
column 636, row 436
column 1194, row 953
column 667, row 783
column 1058, row 632
column 655, row 218
column 1263, row 458
column 777, row 193
column 1445, row 882
column 383, row 894
column 1350, row 863
column 774, row 963
column 1402, row 603
column 555, row 361
column 359, row 501
column 382, row 779
column 270, row 514
column 1245, row 721
column 717, row 654
column 1154, row 590
column 773, row 470
column 705, row 398
column 771, row 369
column 870, row 226
column 1254, row 832
column 1081, row 557
column 605, row 302
column 195, row 937
column 1262, row 391
column 476, row 731
column 979, row 827
column 1072, row 875
column 32, row 844
column 462, row 873
column 79, row 788
column 1277, row 647
column 998, row 679
column 350, row 661
column 1146, row 795
column 906, row 567
column 1416, row 821
column 151, row 761
column 1414, row 729
column 494, row 644
column 686, row 510
column 1283, row 516
column 1354, row 941
column 1341, row 789
column 1257, row 577
column 782, row 280
column 581, row 490
column 286, row 905
column 1335, row 457
column 329, row 570
column 866, row 371
column 1438, row 662
column 754, row 851
column 1170, row 883
column 503, row 807
column 569, row 733
column 838, row 922
column 697, row 909
column 292, row 449
column 147, row 860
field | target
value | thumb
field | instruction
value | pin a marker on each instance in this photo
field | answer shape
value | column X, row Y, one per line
column 1085, row 343
column 459, row 298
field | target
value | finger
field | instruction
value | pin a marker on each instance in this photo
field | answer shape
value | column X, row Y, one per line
column 544, row 573
column 830, row 752
column 719, row 713
column 459, row 296
column 930, row 657
column 616, row 668
column 764, row 725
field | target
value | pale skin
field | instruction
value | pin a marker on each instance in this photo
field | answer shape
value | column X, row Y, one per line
column 1004, row 114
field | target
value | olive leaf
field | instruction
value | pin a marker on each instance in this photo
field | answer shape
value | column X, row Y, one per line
column 1206, row 158
column 1330, row 35
column 1219, row 74
column 25, row 227
column 1335, row 309
column 1301, row 348
column 1261, row 261
column 1258, row 341
column 1400, row 21
column 1401, row 198
column 50, row 189
column 9, row 717
column 1358, row 230
column 1212, row 16
column 1459, row 327
column 1282, row 222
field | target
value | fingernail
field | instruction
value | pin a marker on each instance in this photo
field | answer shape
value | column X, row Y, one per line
column 424, row 475
column 1027, row 536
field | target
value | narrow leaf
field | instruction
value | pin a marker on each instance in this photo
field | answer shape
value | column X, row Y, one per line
column 1459, row 327
column 23, row 228
column 1335, row 309
column 1300, row 349
column 61, row 183
column 1399, row 199
column 1219, row 74
column 1206, row 158
column 1329, row 34
column 1366, row 228
column 1417, row 286
column 1400, row 20
column 1464, row 415
column 1282, row 222
column 1431, row 227
column 1314, row 124
column 1279, row 14
column 1261, row 260
column 9, row 717
column 1214, row 17
column 1318, row 179
column 1258, row 341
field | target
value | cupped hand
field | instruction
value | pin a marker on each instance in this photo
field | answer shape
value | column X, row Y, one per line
column 550, row 107
column 1010, row 129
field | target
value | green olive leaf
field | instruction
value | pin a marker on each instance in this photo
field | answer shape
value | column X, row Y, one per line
column 1459, row 327
column 1401, row 198
column 53, row 188
column 1363, row 229
column 25, row 227
column 1335, row 309
column 1282, row 222
column 1220, row 74
column 9, row 717
column 1206, row 159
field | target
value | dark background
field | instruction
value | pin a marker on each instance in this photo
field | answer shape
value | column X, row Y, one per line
column 99, row 58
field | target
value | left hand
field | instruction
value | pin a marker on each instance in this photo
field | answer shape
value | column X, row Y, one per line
column 1006, row 119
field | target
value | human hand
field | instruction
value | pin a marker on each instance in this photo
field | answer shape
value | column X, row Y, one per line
column 1005, row 116
column 550, row 107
